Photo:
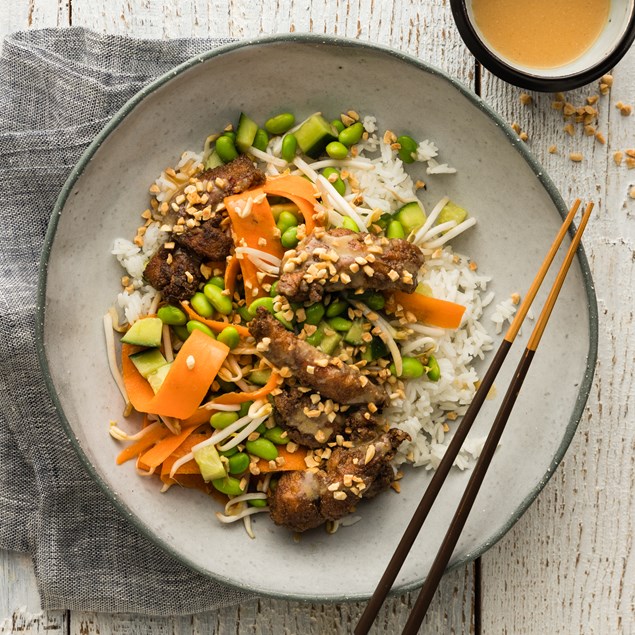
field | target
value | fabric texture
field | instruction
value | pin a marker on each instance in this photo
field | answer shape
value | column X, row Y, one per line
column 58, row 88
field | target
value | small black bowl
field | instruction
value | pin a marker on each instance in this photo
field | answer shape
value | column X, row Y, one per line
column 608, row 50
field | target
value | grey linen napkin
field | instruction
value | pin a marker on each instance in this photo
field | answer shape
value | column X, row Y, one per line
column 58, row 88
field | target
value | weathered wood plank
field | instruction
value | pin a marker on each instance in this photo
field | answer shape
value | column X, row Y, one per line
column 17, row 15
column 271, row 617
column 569, row 566
column 20, row 602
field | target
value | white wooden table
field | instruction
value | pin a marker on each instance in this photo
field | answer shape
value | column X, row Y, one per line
column 568, row 566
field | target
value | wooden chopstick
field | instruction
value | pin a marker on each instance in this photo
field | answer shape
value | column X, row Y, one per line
column 478, row 474
column 432, row 491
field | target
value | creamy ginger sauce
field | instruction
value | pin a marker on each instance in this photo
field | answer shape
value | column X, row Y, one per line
column 541, row 33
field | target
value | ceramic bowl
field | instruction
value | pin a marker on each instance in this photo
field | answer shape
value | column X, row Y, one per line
column 612, row 44
column 518, row 211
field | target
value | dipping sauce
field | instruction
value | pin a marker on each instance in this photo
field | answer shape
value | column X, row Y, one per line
column 541, row 33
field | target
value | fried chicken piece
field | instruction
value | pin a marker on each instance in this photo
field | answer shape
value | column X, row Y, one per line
column 295, row 412
column 290, row 412
column 209, row 240
column 174, row 272
column 340, row 259
column 331, row 377
column 305, row 500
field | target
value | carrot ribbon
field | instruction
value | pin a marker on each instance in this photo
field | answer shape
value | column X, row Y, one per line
column 447, row 315
column 186, row 383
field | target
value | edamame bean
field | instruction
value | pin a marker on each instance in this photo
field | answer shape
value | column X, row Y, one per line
column 338, row 125
column 351, row 135
column 229, row 336
column 408, row 148
column 220, row 420
column 243, row 311
column 349, row 223
column 231, row 134
column 372, row 300
column 181, row 332
column 261, row 429
column 244, row 408
column 340, row 324
column 261, row 140
column 229, row 452
column 265, row 302
column 337, row 183
column 257, row 502
column 273, row 292
column 286, row 220
column 221, row 302
column 228, row 485
column 395, row 230
column 434, row 370
column 289, row 239
column 259, row 377
column 337, row 150
column 226, row 149
column 238, row 463
column 172, row 315
column 314, row 314
column 336, row 308
column 217, row 281
column 411, row 368
column 289, row 147
column 195, row 325
column 277, row 435
column 280, row 123
column 262, row 448
column 202, row 305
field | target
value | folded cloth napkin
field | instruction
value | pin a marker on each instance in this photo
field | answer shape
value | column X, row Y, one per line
column 57, row 90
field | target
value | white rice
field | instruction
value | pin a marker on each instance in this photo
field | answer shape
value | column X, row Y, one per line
column 131, row 305
column 504, row 312
column 423, row 414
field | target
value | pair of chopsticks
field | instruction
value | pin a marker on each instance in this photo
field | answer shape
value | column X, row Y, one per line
column 478, row 474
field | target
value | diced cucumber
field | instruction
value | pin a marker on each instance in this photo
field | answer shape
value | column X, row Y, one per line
column 144, row 332
column 148, row 362
column 451, row 211
column 375, row 350
column 411, row 216
column 314, row 135
column 354, row 334
column 424, row 289
column 330, row 343
column 213, row 161
column 157, row 378
column 378, row 348
column 209, row 463
column 246, row 132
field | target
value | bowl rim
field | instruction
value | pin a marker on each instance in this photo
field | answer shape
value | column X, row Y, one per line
column 312, row 39
column 559, row 83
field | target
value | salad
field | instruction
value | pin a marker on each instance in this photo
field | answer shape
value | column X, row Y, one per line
column 294, row 324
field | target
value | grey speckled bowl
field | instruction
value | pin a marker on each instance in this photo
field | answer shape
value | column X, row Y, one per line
column 518, row 211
